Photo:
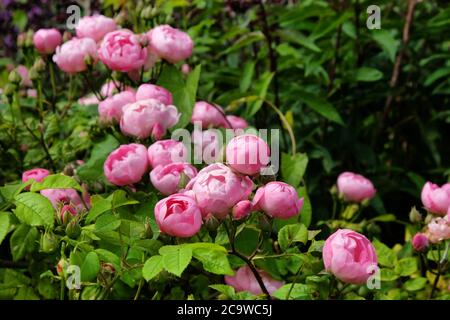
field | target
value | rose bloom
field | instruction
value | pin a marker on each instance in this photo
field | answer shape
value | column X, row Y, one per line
column 46, row 40
column 178, row 215
column 38, row 174
column 278, row 200
column 242, row 209
column 244, row 280
column 350, row 256
column 170, row 44
column 121, row 50
column 436, row 199
column 151, row 91
column 61, row 197
column 439, row 229
column 146, row 118
column 126, row 165
column 95, row 27
column 167, row 178
column 354, row 187
column 237, row 122
column 217, row 189
column 420, row 242
column 247, row 154
column 71, row 56
column 168, row 151
column 207, row 145
column 110, row 109
column 208, row 115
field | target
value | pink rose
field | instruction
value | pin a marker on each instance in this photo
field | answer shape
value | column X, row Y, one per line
column 167, row 178
column 185, row 69
column 217, row 189
column 95, row 27
column 126, row 165
column 121, row 50
column 207, row 145
column 168, row 151
column 436, row 199
column 88, row 100
column 439, row 229
column 237, row 122
column 37, row 174
column 178, row 215
column 242, row 209
column 350, row 256
column 354, row 187
column 61, row 197
column 150, row 91
column 71, row 56
column 169, row 43
column 244, row 280
column 23, row 72
column 146, row 118
column 278, row 200
column 66, row 213
column 247, row 154
column 420, row 242
column 208, row 115
column 110, row 109
column 46, row 40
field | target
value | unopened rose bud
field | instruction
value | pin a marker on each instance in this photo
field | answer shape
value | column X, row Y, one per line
column 420, row 242
column 148, row 232
column 49, row 242
column 29, row 38
column 212, row 223
column 66, row 214
column 61, row 267
column 242, row 209
column 265, row 223
column 334, row 190
column 73, row 229
column 33, row 74
column 88, row 60
column 350, row 211
column 414, row 215
column 69, row 169
column 39, row 65
column 14, row 77
column 21, row 39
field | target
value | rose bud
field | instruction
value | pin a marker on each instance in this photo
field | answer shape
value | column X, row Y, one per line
column 247, row 154
column 350, row 256
column 168, row 179
column 126, row 165
column 73, row 229
column 151, row 91
column 61, row 267
column 208, row 115
column 14, row 77
column 168, row 151
column 244, row 280
column 60, row 197
column 170, row 44
column 354, row 187
column 95, row 27
column 278, row 200
column 420, row 242
column 242, row 209
column 121, row 51
column 237, row 122
column 178, row 215
column 439, row 229
column 66, row 213
column 23, row 72
column 414, row 215
column 185, row 69
column 71, row 56
column 436, row 199
column 37, row 174
column 49, row 242
column 46, row 40
column 110, row 110
column 146, row 118
column 212, row 223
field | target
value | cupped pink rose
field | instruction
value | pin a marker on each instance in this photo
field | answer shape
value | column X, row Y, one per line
column 121, row 50
column 38, row 174
column 354, row 187
column 242, row 209
column 237, row 122
column 72, row 55
column 46, row 40
column 217, row 189
column 173, row 177
column 95, row 27
column 126, row 165
column 207, row 145
column 168, row 151
column 244, row 280
column 146, row 118
column 151, row 91
column 350, row 256
column 23, row 72
column 439, row 229
column 110, row 109
column 278, row 200
column 169, row 43
column 61, row 197
column 178, row 215
column 247, row 154
column 436, row 199
column 208, row 115
column 420, row 242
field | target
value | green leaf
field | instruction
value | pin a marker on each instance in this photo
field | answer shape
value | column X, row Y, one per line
column 228, row 291
column 10, row 191
column 176, row 258
column 415, row 284
column 20, row 19
column 293, row 168
column 299, row 291
column 406, row 266
column 436, row 75
column 368, row 74
column 388, row 274
column 90, row 267
column 4, row 225
column 108, row 256
column 266, row 78
column 386, row 256
column 107, row 222
column 245, row 40
column 23, row 241
column 385, row 218
column 56, row 181
column 292, row 233
column 296, row 37
column 213, row 261
column 247, row 76
column 386, row 41
column 306, row 212
column 34, row 209
column 99, row 206
column 321, row 106
column 152, row 267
